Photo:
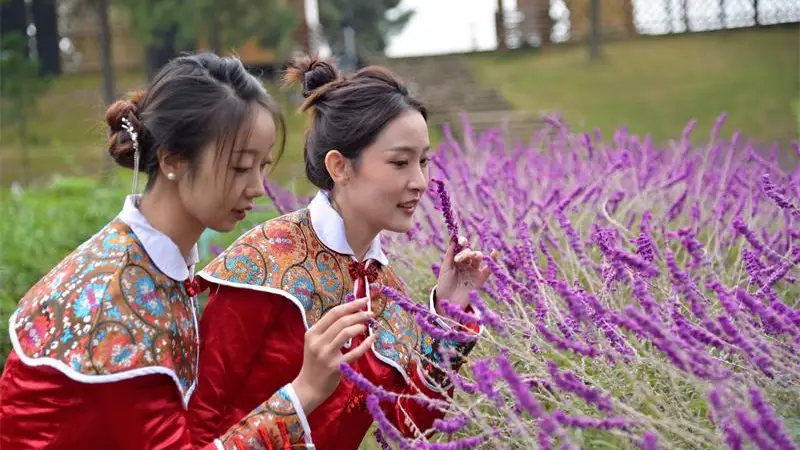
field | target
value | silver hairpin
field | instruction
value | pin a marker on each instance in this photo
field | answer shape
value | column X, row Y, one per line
column 128, row 126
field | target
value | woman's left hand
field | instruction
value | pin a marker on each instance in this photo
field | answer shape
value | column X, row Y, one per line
column 461, row 274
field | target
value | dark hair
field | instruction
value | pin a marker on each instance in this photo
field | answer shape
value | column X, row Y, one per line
column 347, row 111
column 193, row 100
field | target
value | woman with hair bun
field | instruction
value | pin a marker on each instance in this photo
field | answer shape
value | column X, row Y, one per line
column 277, row 316
column 105, row 346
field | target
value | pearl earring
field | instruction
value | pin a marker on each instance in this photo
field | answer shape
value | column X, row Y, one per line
column 171, row 176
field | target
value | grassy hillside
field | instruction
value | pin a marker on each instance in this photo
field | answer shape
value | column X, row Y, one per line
column 70, row 125
column 653, row 85
column 657, row 85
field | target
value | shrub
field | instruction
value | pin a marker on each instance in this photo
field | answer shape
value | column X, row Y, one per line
column 42, row 225
column 644, row 296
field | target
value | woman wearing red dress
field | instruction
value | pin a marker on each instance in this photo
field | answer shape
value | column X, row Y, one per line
column 271, row 322
column 105, row 346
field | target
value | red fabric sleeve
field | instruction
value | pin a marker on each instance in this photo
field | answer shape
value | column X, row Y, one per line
column 43, row 408
column 232, row 329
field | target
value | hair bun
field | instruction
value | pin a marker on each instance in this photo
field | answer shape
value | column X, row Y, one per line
column 120, row 144
column 311, row 73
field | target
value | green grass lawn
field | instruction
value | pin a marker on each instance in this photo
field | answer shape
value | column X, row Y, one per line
column 657, row 85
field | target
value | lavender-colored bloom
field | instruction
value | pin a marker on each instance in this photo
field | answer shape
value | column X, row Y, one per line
column 649, row 441
column 426, row 323
column 524, row 398
column 381, row 440
column 569, row 382
column 770, row 424
column 447, row 211
column 744, row 230
column 751, row 429
column 565, row 344
column 778, row 195
column 484, row 379
column 607, row 423
column 451, row 425
column 365, row 385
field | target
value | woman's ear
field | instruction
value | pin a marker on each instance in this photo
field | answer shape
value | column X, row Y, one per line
column 338, row 166
column 171, row 166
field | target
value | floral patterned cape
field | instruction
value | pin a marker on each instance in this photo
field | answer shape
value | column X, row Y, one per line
column 107, row 313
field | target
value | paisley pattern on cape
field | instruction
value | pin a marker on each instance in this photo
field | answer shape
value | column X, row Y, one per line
column 107, row 313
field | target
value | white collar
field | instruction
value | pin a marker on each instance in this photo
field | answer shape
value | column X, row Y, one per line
column 162, row 250
column 329, row 227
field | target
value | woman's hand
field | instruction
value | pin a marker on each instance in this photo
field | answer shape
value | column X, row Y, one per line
column 322, row 354
column 461, row 274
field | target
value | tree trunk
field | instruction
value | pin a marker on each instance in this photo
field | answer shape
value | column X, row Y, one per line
column 13, row 19
column 47, row 36
column 500, row 26
column 163, row 51
column 106, row 62
column 594, row 33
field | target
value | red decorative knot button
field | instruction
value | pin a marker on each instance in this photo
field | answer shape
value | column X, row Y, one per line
column 191, row 286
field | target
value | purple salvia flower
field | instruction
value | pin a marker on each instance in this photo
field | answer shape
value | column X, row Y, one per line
column 572, row 196
column 565, row 344
column 572, row 238
column 365, row 385
column 660, row 340
column 457, row 313
column 574, row 301
column 686, row 287
column 642, row 293
column 451, row 425
column 742, row 229
column 279, row 206
column 694, row 247
column 747, row 347
column 591, row 194
column 488, row 317
column 447, row 211
column 404, row 302
column 384, row 425
column 769, row 423
column 769, row 316
column 677, row 207
column 732, row 437
column 569, row 382
column 381, row 440
column 552, row 270
column 613, row 202
column 527, row 253
column 425, row 323
column 484, row 379
column 753, row 266
column 520, row 390
column 751, row 429
column 649, row 441
column 608, row 423
column 782, row 269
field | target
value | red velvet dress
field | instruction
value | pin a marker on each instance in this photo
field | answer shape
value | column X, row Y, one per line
column 105, row 351
column 266, row 290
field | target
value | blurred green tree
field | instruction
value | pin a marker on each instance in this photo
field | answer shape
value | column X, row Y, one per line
column 169, row 26
column 20, row 87
column 372, row 21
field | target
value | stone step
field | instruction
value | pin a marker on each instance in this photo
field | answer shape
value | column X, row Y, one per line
column 516, row 125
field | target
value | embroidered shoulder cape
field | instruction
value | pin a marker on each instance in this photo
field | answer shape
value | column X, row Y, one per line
column 284, row 256
column 107, row 313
